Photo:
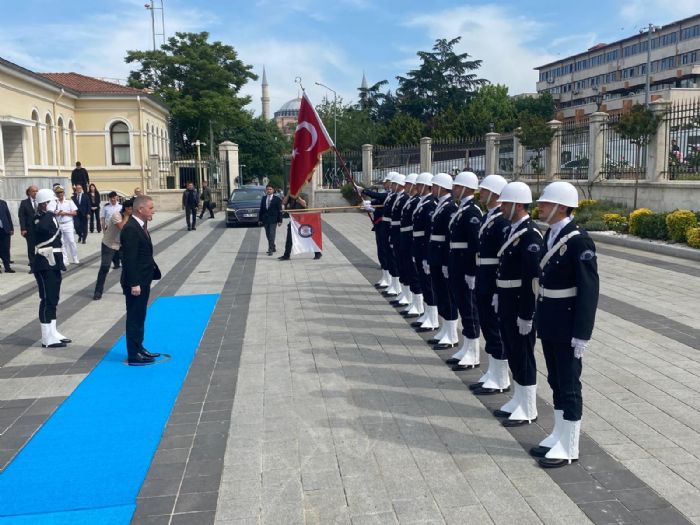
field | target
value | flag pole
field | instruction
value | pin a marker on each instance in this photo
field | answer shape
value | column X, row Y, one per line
column 348, row 176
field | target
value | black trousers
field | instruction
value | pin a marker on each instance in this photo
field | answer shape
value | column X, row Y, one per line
column 5, row 249
column 80, row 223
column 191, row 217
column 409, row 269
column 136, row 307
column 488, row 321
column 207, row 206
column 426, row 284
column 465, row 301
column 107, row 254
column 381, row 232
column 564, row 378
column 271, row 233
column 520, row 349
column 49, row 283
column 116, row 258
column 30, row 248
column 441, row 294
column 394, row 257
column 94, row 216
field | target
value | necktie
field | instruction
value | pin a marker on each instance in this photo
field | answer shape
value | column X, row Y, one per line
column 34, row 204
column 268, row 201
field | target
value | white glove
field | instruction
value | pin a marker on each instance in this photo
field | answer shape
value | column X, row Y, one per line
column 445, row 272
column 426, row 268
column 494, row 302
column 470, row 280
column 579, row 346
column 524, row 327
column 357, row 187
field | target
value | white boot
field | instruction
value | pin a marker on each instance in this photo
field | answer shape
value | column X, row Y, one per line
column 485, row 375
column 422, row 318
column 48, row 340
column 471, row 357
column 417, row 305
column 566, row 446
column 406, row 296
column 514, row 401
column 383, row 281
column 553, row 438
column 441, row 332
column 527, row 407
column 498, row 375
column 394, row 288
column 459, row 354
column 431, row 317
column 450, row 338
column 57, row 334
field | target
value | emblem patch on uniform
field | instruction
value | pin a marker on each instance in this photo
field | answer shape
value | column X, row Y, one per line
column 562, row 250
column 533, row 248
column 475, row 220
column 587, row 255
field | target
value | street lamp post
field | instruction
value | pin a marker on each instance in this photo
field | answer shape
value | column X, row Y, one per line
column 335, row 113
column 198, row 144
column 651, row 28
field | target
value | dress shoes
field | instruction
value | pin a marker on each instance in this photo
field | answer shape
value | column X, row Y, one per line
column 489, row 391
column 452, row 361
column 517, row 422
column 410, row 316
column 420, row 329
column 284, row 258
column 459, row 368
column 318, row 255
column 269, row 253
column 539, row 451
column 189, row 229
column 473, row 386
column 395, row 302
column 97, row 296
column 554, row 463
column 501, row 413
column 116, row 266
column 149, row 354
column 444, row 346
column 9, row 270
column 141, row 360
column 416, row 324
column 433, row 341
column 193, row 228
column 54, row 345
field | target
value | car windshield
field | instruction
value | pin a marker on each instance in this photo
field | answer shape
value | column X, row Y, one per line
column 247, row 195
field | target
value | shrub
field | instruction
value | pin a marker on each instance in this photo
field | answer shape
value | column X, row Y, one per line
column 679, row 222
column 652, row 226
column 596, row 225
column 615, row 222
column 634, row 219
column 348, row 192
column 534, row 212
column 586, row 203
column 693, row 236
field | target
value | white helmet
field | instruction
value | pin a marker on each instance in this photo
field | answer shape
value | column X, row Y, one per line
column 493, row 183
column 400, row 179
column 390, row 176
column 425, row 178
column 411, row 178
column 560, row 192
column 443, row 180
column 44, row 195
column 467, row 179
column 517, row 192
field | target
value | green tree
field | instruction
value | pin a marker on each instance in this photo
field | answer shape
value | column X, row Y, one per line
column 443, row 79
column 402, row 129
column 535, row 134
column 490, row 105
column 542, row 106
column 638, row 126
column 370, row 98
column 199, row 80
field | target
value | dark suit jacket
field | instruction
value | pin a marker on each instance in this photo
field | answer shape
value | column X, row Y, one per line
column 80, row 176
column 84, row 206
column 138, row 266
column 273, row 214
column 26, row 214
column 6, row 218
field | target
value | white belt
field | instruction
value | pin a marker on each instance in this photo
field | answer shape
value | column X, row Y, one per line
column 459, row 245
column 561, row 293
column 515, row 283
column 395, row 223
column 407, row 228
column 68, row 221
column 437, row 238
column 418, row 234
column 486, row 261
column 386, row 219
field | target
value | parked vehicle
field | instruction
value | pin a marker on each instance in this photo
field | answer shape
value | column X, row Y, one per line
column 244, row 205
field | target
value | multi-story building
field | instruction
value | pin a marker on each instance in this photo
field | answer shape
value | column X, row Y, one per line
column 612, row 77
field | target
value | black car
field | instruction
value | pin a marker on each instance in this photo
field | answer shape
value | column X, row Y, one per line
column 244, row 205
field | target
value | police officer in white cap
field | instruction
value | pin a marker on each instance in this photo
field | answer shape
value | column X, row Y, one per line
column 492, row 234
column 438, row 257
column 422, row 217
column 515, row 301
column 405, row 249
column 568, row 298
column 376, row 207
column 399, row 188
column 464, row 246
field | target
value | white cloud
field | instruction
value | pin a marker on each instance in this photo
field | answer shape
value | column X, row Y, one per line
column 636, row 14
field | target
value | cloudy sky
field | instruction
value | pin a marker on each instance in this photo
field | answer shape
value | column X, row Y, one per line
column 331, row 42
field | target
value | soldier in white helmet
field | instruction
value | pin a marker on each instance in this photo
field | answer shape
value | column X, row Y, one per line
column 380, row 227
column 414, row 307
column 517, row 282
column 399, row 188
column 568, row 298
column 394, row 288
column 422, row 216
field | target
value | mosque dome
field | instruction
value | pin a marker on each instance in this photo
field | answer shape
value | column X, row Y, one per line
column 289, row 109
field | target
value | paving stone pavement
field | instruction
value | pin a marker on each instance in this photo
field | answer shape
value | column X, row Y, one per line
column 310, row 400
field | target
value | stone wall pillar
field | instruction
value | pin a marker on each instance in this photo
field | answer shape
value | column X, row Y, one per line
column 553, row 152
column 426, row 155
column 491, row 161
column 367, row 164
column 596, row 146
column 228, row 156
column 658, row 148
column 154, row 167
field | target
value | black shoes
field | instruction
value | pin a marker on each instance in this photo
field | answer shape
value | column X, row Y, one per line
column 444, row 346
column 458, row 367
column 140, row 359
column 284, row 258
column 9, row 270
column 517, row 422
column 116, row 266
column 489, row 391
column 454, row 361
column 555, row 463
column 152, row 355
column 97, row 296
column 539, row 451
column 473, row 386
column 189, row 229
column 269, row 252
column 318, row 255
column 501, row 413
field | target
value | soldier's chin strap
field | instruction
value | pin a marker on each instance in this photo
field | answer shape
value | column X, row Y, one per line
column 461, row 194
column 551, row 213
column 512, row 212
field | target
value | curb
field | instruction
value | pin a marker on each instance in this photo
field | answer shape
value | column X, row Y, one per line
column 647, row 246
column 29, row 288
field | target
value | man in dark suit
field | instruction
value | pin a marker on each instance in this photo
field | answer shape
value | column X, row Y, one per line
column 138, row 271
column 80, row 176
column 6, row 231
column 270, row 216
column 82, row 202
column 190, row 200
column 25, row 214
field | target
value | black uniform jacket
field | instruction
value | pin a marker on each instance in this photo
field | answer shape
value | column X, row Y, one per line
column 494, row 231
column 138, row 266
column 43, row 228
column 407, row 223
column 464, row 230
column 520, row 261
column 377, row 199
column 439, row 250
column 396, row 208
column 25, row 213
column 573, row 264
column 421, row 228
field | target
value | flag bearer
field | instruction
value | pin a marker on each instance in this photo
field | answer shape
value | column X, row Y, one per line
column 421, row 232
column 378, row 199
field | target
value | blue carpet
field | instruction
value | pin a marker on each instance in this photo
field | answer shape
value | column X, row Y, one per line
column 87, row 463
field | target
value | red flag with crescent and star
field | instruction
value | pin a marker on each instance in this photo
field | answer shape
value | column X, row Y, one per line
column 311, row 140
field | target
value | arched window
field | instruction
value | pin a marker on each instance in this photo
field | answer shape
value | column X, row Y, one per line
column 36, row 144
column 120, row 140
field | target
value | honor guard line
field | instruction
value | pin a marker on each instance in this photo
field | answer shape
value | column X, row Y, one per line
column 329, row 209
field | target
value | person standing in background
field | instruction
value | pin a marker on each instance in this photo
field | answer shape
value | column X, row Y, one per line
column 270, row 216
column 26, row 212
column 105, row 214
column 110, row 245
column 83, row 210
column 94, row 199
column 207, row 204
column 79, row 176
column 7, row 230
column 65, row 210
column 190, row 200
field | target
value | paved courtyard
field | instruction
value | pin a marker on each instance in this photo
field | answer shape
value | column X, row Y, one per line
column 310, row 400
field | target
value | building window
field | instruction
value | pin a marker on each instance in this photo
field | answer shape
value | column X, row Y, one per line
column 120, row 140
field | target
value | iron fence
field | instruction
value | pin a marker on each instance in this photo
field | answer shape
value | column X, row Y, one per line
column 622, row 160
column 404, row 159
column 506, row 155
column 683, row 140
column 573, row 146
column 333, row 175
column 534, row 163
column 452, row 157
column 178, row 172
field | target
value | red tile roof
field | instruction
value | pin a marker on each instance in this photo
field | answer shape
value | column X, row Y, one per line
column 84, row 84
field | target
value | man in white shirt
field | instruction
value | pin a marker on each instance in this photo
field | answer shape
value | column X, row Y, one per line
column 106, row 213
column 65, row 211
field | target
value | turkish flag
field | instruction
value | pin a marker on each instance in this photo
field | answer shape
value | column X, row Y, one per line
column 311, row 140
column 306, row 232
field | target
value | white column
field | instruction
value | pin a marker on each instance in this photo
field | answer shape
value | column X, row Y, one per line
column 491, row 160
column 367, row 163
column 426, row 154
column 228, row 155
column 2, row 152
column 657, row 157
column 596, row 147
column 518, row 155
column 553, row 153
column 43, row 160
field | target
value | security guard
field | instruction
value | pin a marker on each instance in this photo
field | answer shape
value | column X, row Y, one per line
column 517, row 283
column 394, row 287
column 492, row 235
column 377, row 210
column 436, row 265
column 401, row 198
column 461, row 268
column 421, row 230
column 46, row 267
column 568, row 298
column 415, row 305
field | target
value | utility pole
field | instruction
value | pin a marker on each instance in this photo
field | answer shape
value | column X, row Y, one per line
column 152, row 8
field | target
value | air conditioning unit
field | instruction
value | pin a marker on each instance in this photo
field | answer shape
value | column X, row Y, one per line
column 550, row 80
column 575, row 92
